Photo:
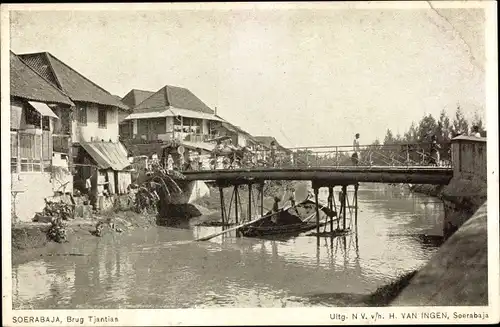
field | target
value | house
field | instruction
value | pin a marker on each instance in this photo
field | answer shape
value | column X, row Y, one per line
column 36, row 171
column 173, row 114
column 91, row 125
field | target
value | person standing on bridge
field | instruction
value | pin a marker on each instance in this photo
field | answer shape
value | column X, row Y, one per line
column 355, row 155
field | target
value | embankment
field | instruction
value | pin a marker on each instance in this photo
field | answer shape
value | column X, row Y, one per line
column 461, row 198
column 457, row 275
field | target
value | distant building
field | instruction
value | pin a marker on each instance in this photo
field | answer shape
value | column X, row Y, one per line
column 33, row 101
column 131, row 99
column 90, row 126
column 238, row 135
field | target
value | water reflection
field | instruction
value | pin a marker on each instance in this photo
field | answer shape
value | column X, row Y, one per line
column 163, row 268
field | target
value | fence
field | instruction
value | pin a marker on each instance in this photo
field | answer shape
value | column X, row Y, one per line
column 398, row 155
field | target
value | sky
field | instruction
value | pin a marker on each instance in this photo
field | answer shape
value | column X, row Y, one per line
column 306, row 76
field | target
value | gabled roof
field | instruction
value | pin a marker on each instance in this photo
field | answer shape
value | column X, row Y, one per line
column 28, row 84
column 134, row 97
column 173, row 96
column 72, row 83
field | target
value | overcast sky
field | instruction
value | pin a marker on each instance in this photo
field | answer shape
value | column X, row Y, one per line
column 307, row 77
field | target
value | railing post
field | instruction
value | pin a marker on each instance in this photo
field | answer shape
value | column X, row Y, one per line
column 337, row 156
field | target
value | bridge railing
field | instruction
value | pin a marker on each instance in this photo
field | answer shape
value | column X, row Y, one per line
column 397, row 155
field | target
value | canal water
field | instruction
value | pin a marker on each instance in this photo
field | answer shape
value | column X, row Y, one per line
column 162, row 268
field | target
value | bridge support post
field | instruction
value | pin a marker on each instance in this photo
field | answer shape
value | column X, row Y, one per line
column 249, row 201
column 261, row 190
column 316, row 191
column 236, row 196
column 330, row 206
column 344, row 198
column 356, row 186
column 222, row 206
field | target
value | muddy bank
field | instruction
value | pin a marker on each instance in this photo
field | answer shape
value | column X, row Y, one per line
column 29, row 239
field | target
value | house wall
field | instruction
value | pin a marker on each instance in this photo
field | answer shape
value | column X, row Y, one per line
column 91, row 131
column 35, row 188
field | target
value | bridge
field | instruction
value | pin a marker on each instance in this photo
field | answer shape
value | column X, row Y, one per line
column 402, row 163
column 324, row 166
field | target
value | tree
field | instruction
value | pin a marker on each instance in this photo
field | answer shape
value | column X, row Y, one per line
column 389, row 137
column 411, row 135
column 426, row 128
column 443, row 127
column 460, row 125
column 478, row 121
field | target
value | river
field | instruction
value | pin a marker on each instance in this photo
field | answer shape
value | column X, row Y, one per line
column 161, row 268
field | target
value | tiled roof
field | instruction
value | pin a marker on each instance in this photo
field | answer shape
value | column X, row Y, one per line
column 28, row 84
column 174, row 96
column 134, row 97
column 72, row 83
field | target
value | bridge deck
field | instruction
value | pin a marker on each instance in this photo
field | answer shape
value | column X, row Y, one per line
column 341, row 175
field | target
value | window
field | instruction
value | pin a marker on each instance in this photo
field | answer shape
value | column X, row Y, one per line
column 30, row 152
column 82, row 115
column 101, row 117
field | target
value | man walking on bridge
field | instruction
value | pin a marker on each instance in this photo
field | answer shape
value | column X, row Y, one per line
column 355, row 155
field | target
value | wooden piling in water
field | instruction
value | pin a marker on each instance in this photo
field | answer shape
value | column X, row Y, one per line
column 249, row 202
column 344, row 197
column 316, row 191
column 262, row 199
column 222, row 205
column 330, row 205
column 236, row 196
column 356, row 186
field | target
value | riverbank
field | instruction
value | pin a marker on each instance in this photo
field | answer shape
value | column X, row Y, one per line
column 29, row 239
column 457, row 275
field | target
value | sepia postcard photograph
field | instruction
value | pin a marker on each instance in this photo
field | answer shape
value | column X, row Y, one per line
column 250, row 163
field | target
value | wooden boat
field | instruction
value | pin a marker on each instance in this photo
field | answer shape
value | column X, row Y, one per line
column 290, row 221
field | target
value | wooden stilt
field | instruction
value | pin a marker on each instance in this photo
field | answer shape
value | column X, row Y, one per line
column 330, row 206
column 344, row 197
column 316, row 191
column 236, row 196
column 262, row 199
column 356, row 186
column 222, row 206
column 249, row 202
